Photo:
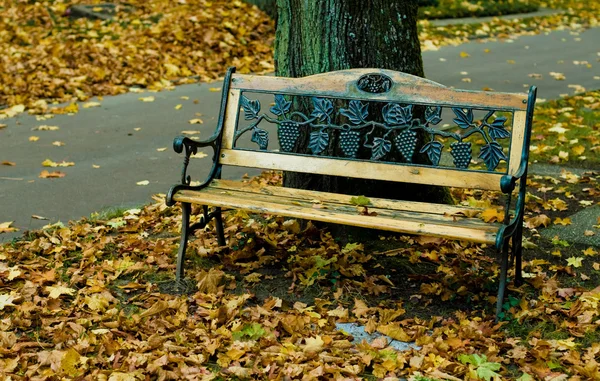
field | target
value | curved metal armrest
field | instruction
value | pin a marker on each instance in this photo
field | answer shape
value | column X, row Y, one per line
column 181, row 142
column 508, row 182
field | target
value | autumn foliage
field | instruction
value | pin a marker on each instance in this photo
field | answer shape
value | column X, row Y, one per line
column 96, row 300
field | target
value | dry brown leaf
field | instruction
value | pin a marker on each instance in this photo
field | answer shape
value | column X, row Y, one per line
column 51, row 175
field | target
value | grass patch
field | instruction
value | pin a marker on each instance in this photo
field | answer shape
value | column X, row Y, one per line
column 568, row 130
column 448, row 9
column 108, row 213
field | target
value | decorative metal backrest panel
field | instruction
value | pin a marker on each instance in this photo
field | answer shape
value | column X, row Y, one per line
column 383, row 128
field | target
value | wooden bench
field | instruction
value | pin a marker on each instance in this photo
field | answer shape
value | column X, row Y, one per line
column 382, row 112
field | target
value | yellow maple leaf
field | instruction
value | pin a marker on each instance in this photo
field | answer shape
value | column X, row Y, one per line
column 562, row 221
column 590, row 251
column 147, row 99
column 464, row 54
column 57, row 291
column 34, row 138
column 492, row 215
column 574, row 261
column 578, row 150
column 68, row 363
column 313, row 344
column 6, row 300
column 6, row 228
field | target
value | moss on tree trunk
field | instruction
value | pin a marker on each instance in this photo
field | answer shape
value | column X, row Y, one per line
column 318, row 36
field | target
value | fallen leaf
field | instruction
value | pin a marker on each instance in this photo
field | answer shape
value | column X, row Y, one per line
column 313, row 344
column 51, row 175
column 36, row 217
column 178, row 107
column 196, row 121
column 464, row 54
column 58, row 143
column 199, row 155
column 143, row 182
column 162, row 149
column 9, row 163
column 55, row 292
column 2, row 126
column 215, row 89
column 557, row 76
column 34, row 138
column 562, row 221
column 492, row 215
column 50, row 163
column 95, row 166
column 147, row 99
column 91, row 104
column 190, row 132
column 6, row 228
column 590, row 251
column 44, row 127
column 574, row 261
column 6, row 300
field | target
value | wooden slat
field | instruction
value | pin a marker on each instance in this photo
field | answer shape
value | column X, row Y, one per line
column 327, row 201
column 310, row 195
column 422, row 226
column 362, row 169
column 406, row 88
column 517, row 141
column 231, row 115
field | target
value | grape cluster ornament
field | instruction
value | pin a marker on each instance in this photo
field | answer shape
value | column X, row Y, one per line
column 398, row 132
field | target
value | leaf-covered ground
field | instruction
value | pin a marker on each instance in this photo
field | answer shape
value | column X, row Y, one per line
column 48, row 57
column 95, row 300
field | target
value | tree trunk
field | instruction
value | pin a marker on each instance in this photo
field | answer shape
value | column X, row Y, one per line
column 267, row 6
column 316, row 36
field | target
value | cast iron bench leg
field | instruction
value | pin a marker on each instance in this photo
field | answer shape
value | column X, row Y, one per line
column 186, row 210
column 518, row 254
column 219, row 227
column 503, row 275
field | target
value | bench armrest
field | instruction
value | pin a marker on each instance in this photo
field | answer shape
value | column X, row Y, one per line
column 181, row 144
column 508, row 182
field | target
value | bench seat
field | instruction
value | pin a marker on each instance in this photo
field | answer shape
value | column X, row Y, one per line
column 439, row 220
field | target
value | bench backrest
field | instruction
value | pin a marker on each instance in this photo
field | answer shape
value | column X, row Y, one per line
column 379, row 112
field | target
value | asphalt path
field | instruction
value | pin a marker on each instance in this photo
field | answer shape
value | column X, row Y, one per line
column 119, row 144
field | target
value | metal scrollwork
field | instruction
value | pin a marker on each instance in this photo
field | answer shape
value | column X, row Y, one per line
column 374, row 83
column 398, row 130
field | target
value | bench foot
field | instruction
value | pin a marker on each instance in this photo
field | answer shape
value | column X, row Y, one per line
column 186, row 210
column 503, row 277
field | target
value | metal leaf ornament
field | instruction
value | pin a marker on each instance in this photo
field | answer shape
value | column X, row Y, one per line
column 251, row 108
column 281, row 106
column 356, row 112
column 318, row 141
column 260, row 137
column 381, row 147
column 491, row 154
column 322, row 108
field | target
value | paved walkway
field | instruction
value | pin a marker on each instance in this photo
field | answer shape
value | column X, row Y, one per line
column 123, row 136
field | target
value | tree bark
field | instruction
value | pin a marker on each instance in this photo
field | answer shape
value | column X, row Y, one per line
column 267, row 6
column 316, row 36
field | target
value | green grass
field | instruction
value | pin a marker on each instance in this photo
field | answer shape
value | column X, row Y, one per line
column 108, row 213
column 568, row 130
column 447, row 9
